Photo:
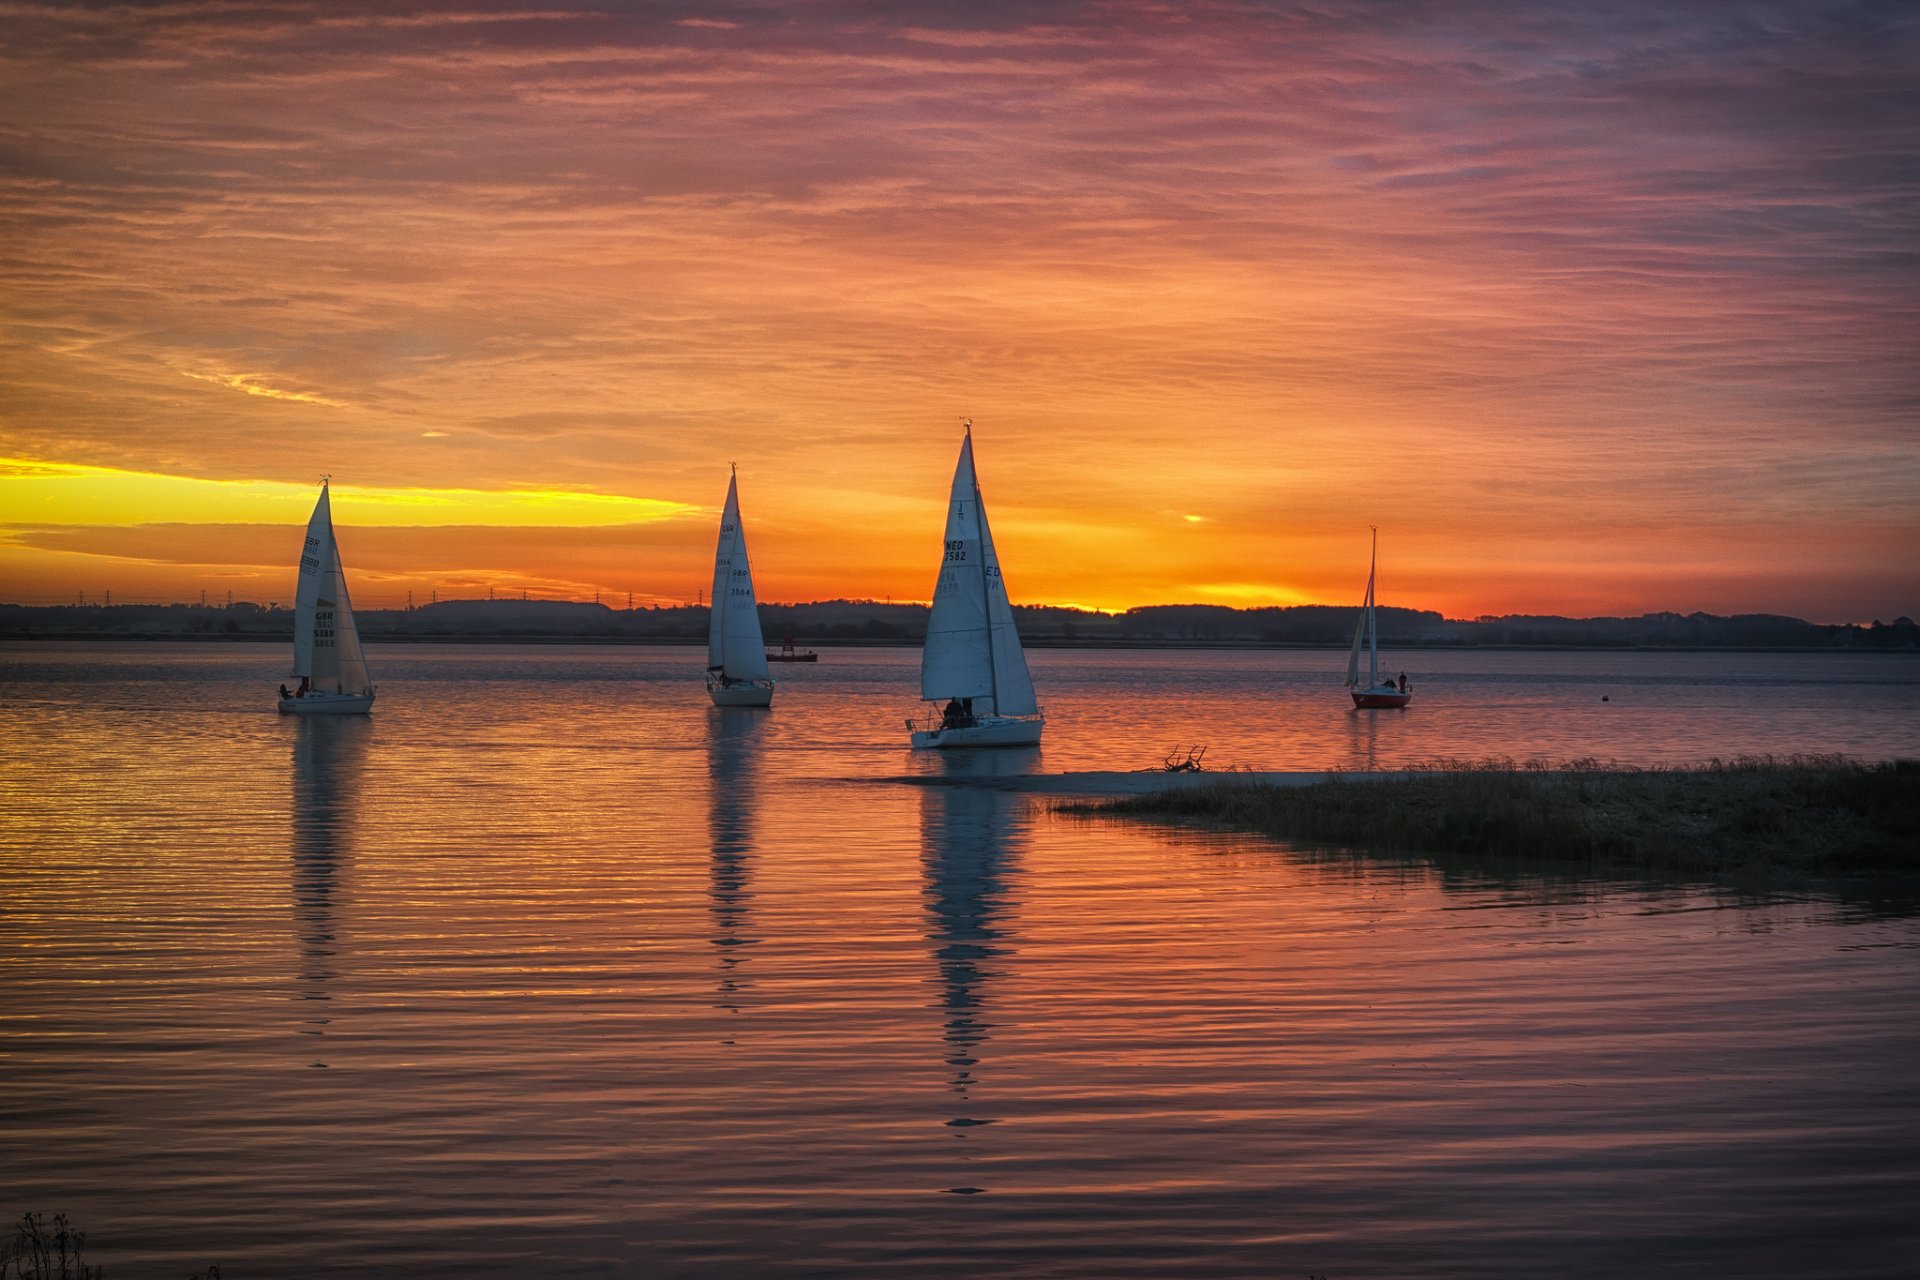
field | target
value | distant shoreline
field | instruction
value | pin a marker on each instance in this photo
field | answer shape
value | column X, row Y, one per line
column 861, row 623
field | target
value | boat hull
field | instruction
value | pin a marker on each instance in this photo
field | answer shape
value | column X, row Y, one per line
column 1386, row 696
column 328, row 704
column 793, row 657
column 989, row 731
column 742, row 693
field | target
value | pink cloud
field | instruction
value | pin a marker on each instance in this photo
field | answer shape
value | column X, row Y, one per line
column 1626, row 267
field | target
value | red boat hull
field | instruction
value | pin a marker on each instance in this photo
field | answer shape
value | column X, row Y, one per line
column 793, row 657
column 1372, row 699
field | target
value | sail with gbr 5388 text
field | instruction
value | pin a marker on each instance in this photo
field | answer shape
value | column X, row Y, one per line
column 327, row 657
column 736, row 650
column 972, row 659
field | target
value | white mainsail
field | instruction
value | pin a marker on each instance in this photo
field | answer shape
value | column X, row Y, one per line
column 735, row 646
column 1353, row 658
column 973, row 648
column 1366, row 630
column 326, row 644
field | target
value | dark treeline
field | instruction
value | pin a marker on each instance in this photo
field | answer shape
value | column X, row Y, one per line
column 872, row 622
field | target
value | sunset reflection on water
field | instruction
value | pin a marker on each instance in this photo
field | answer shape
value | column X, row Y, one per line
column 732, row 798
column 548, row 967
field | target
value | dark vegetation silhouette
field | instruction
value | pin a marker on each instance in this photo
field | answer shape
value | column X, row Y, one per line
column 38, row 1251
column 1753, row 817
column 853, row 622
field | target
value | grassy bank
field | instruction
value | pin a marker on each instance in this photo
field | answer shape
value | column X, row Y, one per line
column 1755, row 817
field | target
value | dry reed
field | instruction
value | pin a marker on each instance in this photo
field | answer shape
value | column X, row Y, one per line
column 1747, row 816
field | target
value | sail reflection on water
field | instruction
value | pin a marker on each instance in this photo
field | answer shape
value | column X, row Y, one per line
column 733, row 750
column 972, row 841
column 1363, row 742
column 329, row 754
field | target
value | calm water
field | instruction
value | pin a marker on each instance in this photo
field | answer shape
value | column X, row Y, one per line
column 547, row 968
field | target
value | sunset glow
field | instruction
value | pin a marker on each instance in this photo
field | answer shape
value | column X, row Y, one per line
column 1591, row 312
column 54, row 494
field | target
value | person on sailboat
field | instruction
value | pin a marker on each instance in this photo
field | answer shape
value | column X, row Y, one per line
column 1403, row 682
column 958, row 715
column 284, row 695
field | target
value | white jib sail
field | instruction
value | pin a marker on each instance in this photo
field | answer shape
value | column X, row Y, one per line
column 1015, row 694
column 353, row 662
column 973, row 648
column 326, row 644
column 735, row 646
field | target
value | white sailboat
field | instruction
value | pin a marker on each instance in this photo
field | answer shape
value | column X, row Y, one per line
column 326, row 645
column 1376, row 692
column 972, row 659
column 736, row 652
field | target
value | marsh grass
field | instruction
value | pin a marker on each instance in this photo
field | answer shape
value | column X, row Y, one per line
column 38, row 1251
column 1752, row 816
column 41, row 1252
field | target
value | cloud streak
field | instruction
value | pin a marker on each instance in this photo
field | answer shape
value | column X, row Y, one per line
column 40, row 493
column 253, row 385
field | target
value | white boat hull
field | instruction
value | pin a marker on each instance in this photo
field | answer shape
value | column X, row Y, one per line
column 741, row 693
column 988, row 731
column 328, row 704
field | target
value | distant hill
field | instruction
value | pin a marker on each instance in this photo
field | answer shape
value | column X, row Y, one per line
column 873, row 622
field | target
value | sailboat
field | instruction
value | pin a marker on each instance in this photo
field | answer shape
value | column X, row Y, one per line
column 736, row 653
column 1376, row 692
column 326, row 645
column 972, row 659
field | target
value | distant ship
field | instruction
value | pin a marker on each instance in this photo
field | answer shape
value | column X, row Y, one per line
column 972, row 659
column 1378, row 692
column 326, row 645
column 736, row 652
column 787, row 653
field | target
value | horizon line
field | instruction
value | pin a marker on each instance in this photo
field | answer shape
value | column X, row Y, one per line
column 657, row 603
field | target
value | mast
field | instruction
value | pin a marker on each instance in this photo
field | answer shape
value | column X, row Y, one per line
column 986, row 586
column 732, row 544
column 722, row 577
column 1373, row 624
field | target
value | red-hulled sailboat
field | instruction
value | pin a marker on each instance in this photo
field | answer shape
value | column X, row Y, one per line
column 1376, row 692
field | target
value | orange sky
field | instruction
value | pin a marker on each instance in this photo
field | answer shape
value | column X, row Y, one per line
column 1591, row 314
